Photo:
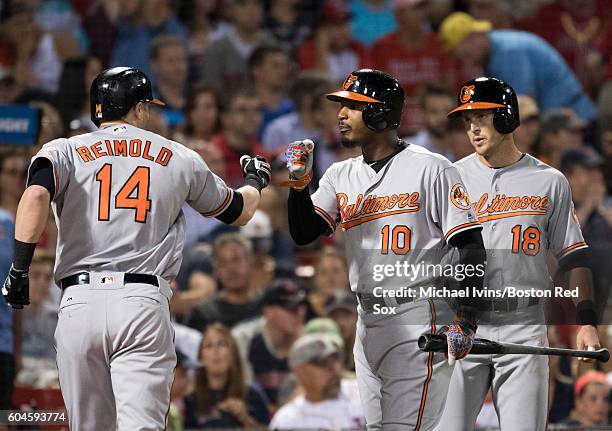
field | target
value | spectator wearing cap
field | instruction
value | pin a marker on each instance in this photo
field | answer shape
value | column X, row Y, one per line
column 371, row 19
column 264, row 343
column 591, row 399
column 332, row 50
column 413, row 55
column 289, row 23
column 342, row 309
column 222, row 398
column 182, row 386
column 526, row 134
column 560, row 131
column 329, row 401
column 330, row 276
column 232, row 256
column 259, row 232
column 523, row 60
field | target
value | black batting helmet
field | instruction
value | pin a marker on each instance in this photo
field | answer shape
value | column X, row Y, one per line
column 116, row 90
column 490, row 93
column 382, row 93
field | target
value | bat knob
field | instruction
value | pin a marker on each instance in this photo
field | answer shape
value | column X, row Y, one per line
column 605, row 355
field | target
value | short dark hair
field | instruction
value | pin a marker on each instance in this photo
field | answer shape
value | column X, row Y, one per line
column 260, row 52
column 163, row 41
column 311, row 86
column 434, row 90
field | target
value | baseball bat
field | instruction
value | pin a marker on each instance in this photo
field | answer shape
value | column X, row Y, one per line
column 481, row 346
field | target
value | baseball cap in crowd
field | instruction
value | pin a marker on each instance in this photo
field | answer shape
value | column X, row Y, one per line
column 341, row 300
column 259, row 230
column 324, row 326
column 528, row 107
column 594, row 376
column 583, row 157
column 284, row 292
column 459, row 25
column 559, row 119
column 183, row 361
column 311, row 348
column 396, row 4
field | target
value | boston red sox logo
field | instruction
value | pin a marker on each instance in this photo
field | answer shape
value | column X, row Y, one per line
column 349, row 81
column 466, row 93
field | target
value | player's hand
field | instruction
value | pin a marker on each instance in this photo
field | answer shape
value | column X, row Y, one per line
column 459, row 338
column 299, row 157
column 256, row 168
column 16, row 288
column 587, row 338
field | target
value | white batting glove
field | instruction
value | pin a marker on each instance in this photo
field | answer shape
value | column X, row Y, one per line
column 299, row 156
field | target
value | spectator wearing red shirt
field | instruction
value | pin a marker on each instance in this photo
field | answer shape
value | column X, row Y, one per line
column 240, row 124
column 332, row 49
column 414, row 56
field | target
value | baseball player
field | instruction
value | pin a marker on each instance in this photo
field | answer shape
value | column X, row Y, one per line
column 397, row 203
column 526, row 211
column 116, row 195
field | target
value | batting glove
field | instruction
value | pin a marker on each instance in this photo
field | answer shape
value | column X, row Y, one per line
column 16, row 288
column 256, row 170
column 460, row 338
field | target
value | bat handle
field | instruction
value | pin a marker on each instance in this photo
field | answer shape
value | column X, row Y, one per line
column 432, row 343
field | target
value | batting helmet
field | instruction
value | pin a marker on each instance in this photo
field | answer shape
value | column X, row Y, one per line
column 116, row 90
column 382, row 93
column 490, row 93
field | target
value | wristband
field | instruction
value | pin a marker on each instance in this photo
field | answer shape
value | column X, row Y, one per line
column 253, row 181
column 23, row 255
column 585, row 313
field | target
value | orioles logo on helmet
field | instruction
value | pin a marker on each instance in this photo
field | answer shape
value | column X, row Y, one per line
column 466, row 93
column 349, row 81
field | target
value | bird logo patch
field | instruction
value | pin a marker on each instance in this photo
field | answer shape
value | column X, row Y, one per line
column 466, row 93
column 349, row 81
column 459, row 197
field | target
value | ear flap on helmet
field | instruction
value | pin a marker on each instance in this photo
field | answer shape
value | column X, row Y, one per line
column 506, row 120
column 375, row 116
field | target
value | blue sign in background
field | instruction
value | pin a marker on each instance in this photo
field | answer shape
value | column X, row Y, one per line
column 19, row 124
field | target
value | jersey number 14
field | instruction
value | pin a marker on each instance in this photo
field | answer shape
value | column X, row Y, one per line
column 134, row 194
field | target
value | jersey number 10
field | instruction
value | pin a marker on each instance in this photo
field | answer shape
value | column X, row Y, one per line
column 137, row 183
column 400, row 239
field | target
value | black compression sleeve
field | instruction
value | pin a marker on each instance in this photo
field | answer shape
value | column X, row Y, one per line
column 41, row 174
column 472, row 255
column 577, row 259
column 305, row 225
column 233, row 210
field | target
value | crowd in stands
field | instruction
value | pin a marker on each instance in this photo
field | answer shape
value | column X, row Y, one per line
column 264, row 328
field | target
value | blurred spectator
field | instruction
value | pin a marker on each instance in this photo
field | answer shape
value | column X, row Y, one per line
column 135, row 33
column 269, row 67
column 37, row 54
column 59, row 17
column 221, row 398
column 371, row 19
column 182, row 386
column 316, row 119
column 194, row 282
column 287, row 25
column 525, row 61
column 331, row 276
column 498, row 13
column 240, row 121
column 436, row 101
column 591, row 398
column 225, row 61
column 73, row 94
column 7, row 340
column 168, row 57
column 605, row 140
column 232, row 257
column 51, row 125
column 329, row 401
column 560, row 131
column 527, row 133
column 342, row 309
column 9, row 88
column 13, row 169
column 413, row 55
column 201, row 17
column 265, row 343
column 437, row 10
column 202, row 122
column 259, row 231
column 38, row 368
column 573, row 27
column 332, row 50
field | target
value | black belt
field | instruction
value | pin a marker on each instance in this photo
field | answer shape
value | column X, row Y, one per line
column 83, row 278
column 501, row 305
column 368, row 300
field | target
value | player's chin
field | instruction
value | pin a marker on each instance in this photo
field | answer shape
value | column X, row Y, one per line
column 347, row 142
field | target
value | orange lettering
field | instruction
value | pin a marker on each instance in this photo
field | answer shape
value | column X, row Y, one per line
column 135, row 147
column 97, row 150
column 145, row 153
column 392, row 201
column 342, row 201
column 85, row 154
column 120, row 147
column 164, row 156
column 109, row 148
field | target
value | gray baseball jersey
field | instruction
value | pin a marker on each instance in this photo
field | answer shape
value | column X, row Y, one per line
column 117, row 205
column 526, row 211
column 118, row 200
column 414, row 205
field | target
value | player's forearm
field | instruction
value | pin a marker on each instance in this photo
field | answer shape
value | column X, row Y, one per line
column 586, row 313
column 32, row 214
column 251, row 197
column 305, row 225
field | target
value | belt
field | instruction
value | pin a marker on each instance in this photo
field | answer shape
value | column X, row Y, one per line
column 368, row 300
column 83, row 278
column 504, row 305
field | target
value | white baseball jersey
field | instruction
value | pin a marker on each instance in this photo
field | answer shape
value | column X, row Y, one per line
column 118, row 197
